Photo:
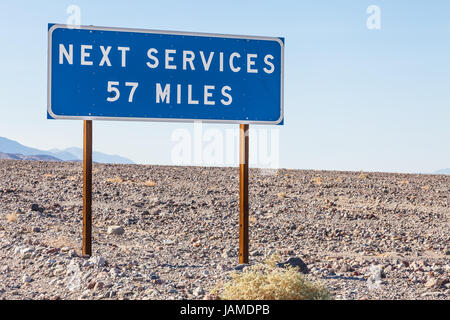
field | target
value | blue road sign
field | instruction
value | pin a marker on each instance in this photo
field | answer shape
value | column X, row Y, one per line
column 101, row 73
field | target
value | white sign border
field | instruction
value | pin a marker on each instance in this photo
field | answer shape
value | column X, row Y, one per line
column 65, row 26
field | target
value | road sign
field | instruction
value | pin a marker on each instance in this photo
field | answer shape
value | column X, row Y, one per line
column 102, row 73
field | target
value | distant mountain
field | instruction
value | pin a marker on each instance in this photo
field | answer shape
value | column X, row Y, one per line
column 18, row 156
column 13, row 147
column 443, row 171
column 99, row 156
column 13, row 150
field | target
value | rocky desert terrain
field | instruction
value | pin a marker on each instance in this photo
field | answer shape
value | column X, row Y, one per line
column 162, row 232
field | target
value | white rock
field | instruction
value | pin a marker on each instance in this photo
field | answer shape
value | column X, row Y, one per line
column 198, row 292
column 85, row 294
column 431, row 283
column 97, row 261
column 26, row 256
column 26, row 250
column 117, row 230
column 26, row 279
column 114, row 272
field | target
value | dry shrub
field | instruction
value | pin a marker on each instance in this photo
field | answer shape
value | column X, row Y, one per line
column 426, row 188
column 150, row 183
column 317, row 180
column 363, row 175
column 268, row 282
column 64, row 241
column 281, row 195
column 339, row 179
column 48, row 175
column 115, row 180
column 403, row 182
column 11, row 217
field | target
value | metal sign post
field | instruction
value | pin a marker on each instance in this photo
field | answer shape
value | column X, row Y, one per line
column 243, row 192
column 87, row 188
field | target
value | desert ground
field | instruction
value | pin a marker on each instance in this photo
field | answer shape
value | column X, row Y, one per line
column 363, row 235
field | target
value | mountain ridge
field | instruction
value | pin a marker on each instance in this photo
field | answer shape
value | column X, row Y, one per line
column 443, row 171
column 11, row 149
column 18, row 156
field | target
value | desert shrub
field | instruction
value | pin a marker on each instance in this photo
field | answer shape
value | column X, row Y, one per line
column 11, row 217
column 150, row 183
column 267, row 281
column 115, row 180
column 363, row 175
column 316, row 180
column 339, row 179
column 281, row 195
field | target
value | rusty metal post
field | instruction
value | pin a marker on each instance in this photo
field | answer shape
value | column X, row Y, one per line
column 243, row 199
column 87, row 188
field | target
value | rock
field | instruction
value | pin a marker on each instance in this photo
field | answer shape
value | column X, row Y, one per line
column 91, row 284
column 198, row 292
column 97, row 261
column 197, row 244
column 53, row 250
column 117, row 230
column 431, row 283
column 296, row 263
column 255, row 253
column 5, row 269
column 36, row 229
column 430, row 294
column 26, row 250
column 26, row 256
column 227, row 254
column 241, row 267
column 376, row 273
column 98, row 286
column 345, row 268
column 35, row 207
column 389, row 268
column 154, row 276
column 73, row 253
column 114, row 272
column 211, row 297
column 85, row 294
column 26, row 279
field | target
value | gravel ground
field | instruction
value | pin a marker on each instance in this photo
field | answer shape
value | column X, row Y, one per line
column 165, row 232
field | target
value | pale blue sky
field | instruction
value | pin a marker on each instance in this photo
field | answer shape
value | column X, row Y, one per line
column 355, row 99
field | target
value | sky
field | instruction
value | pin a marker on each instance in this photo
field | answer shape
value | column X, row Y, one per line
column 354, row 98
